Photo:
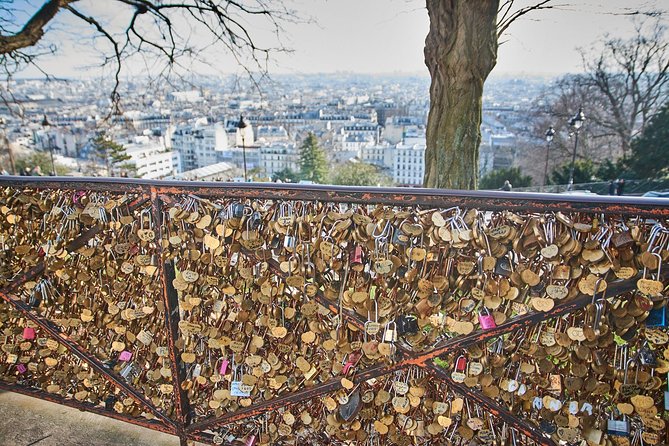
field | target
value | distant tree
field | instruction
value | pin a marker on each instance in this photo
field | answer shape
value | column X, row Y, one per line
column 359, row 174
column 649, row 157
column 584, row 172
column 313, row 163
column 286, row 175
column 41, row 159
column 496, row 178
column 110, row 153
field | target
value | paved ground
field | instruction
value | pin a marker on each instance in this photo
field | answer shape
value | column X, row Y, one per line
column 27, row 421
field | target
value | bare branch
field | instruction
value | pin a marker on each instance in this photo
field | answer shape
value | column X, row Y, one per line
column 33, row 30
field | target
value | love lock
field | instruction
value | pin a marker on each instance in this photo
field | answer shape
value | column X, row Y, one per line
column 351, row 408
column 407, row 325
column 486, row 320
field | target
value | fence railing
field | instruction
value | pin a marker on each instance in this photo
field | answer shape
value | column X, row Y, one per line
column 226, row 313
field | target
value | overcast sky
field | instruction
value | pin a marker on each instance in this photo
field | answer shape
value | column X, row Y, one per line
column 385, row 36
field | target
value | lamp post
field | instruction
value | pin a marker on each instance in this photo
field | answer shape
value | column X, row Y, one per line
column 241, row 125
column 549, row 138
column 46, row 125
column 576, row 123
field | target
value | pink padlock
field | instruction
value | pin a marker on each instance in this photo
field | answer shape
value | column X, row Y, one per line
column 250, row 440
column 224, row 366
column 486, row 320
column 125, row 355
column 28, row 333
column 21, row 368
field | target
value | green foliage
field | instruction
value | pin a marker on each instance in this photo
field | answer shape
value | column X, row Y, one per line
column 648, row 158
column 41, row 159
column 359, row 174
column 108, row 152
column 585, row 171
column 496, row 178
column 313, row 163
column 286, row 175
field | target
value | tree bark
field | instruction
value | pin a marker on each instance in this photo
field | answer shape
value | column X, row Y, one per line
column 33, row 30
column 460, row 53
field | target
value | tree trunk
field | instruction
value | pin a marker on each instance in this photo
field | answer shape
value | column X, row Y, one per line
column 460, row 52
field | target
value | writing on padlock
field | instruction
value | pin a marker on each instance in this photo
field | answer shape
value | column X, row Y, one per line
column 238, row 388
column 21, row 368
column 486, row 320
column 125, row 356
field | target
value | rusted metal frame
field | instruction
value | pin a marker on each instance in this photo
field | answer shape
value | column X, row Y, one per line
column 289, row 399
column 74, row 348
column 86, row 407
column 485, row 200
column 171, row 302
column 502, row 413
column 75, row 244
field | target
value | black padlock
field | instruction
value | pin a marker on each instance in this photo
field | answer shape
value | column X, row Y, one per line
column 406, row 325
column 109, row 402
column 647, row 356
column 256, row 220
column 503, row 267
column 237, row 210
column 351, row 408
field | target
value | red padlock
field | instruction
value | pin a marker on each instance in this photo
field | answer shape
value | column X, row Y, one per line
column 459, row 374
column 28, row 333
column 486, row 320
column 357, row 257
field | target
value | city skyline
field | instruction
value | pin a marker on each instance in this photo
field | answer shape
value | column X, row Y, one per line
column 382, row 37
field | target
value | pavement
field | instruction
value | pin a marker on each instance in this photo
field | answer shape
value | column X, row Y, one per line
column 28, row 421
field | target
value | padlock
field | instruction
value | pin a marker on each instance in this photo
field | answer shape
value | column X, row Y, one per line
column 289, row 241
column 400, row 238
column 503, row 267
column 390, row 332
column 197, row 370
column 109, row 402
column 458, row 373
column 666, row 397
column 350, row 409
column 21, row 368
column 618, row 428
column 129, row 371
column 486, row 320
column 657, row 317
column 28, row 333
column 237, row 210
column 356, row 257
column 237, row 387
column 250, row 440
column 125, row 356
column 406, row 325
column 255, row 220
column 647, row 356
column 224, row 366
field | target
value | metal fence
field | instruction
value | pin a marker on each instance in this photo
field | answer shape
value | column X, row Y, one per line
column 241, row 314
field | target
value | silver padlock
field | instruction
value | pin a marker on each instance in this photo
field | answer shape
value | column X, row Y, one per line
column 666, row 397
column 618, row 428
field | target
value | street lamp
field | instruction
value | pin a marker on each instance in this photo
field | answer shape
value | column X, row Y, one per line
column 241, row 125
column 549, row 138
column 576, row 123
column 46, row 125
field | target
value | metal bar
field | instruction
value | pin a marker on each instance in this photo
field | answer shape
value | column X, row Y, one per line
column 522, row 426
column 81, row 353
column 171, row 302
column 487, row 200
column 86, row 406
column 289, row 399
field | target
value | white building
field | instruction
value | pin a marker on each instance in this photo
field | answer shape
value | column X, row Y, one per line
column 269, row 134
column 199, row 145
column 409, row 164
column 279, row 156
column 152, row 160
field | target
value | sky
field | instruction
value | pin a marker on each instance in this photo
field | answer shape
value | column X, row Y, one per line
column 385, row 36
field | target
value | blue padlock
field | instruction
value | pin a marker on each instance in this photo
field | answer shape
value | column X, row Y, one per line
column 657, row 317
